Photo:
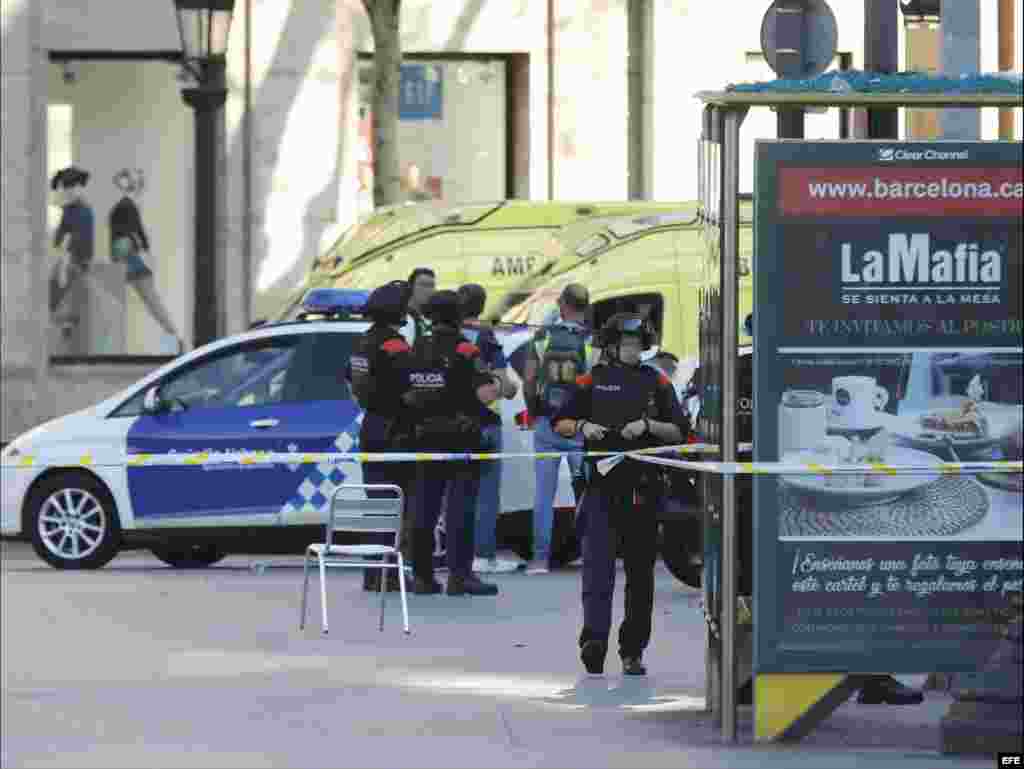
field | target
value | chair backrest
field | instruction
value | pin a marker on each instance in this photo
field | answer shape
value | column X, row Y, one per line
column 366, row 508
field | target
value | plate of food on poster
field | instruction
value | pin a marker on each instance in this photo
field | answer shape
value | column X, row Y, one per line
column 958, row 427
column 856, row 489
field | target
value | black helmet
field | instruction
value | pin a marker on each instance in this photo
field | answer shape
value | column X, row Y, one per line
column 472, row 298
column 388, row 303
column 626, row 323
column 443, row 307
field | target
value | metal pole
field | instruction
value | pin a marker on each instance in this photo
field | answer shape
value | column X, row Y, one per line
column 636, row 75
column 789, row 26
column 206, row 101
column 730, row 330
column 1006, row 51
column 961, row 53
column 881, row 54
column 552, row 141
column 247, row 218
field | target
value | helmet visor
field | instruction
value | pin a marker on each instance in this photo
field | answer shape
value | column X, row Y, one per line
column 631, row 325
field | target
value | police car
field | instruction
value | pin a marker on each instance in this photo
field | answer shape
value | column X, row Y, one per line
column 70, row 488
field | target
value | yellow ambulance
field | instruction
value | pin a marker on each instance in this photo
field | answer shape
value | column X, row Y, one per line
column 493, row 244
column 575, row 243
column 656, row 265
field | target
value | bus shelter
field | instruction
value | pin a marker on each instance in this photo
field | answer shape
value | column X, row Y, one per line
column 792, row 699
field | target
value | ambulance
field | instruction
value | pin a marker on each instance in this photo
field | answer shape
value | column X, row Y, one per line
column 494, row 244
column 573, row 244
column 651, row 264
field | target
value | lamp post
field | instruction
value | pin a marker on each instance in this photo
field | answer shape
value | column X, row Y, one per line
column 204, row 26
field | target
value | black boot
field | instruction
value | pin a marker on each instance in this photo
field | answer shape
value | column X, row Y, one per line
column 632, row 666
column 426, row 586
column 470, row 585
column 886, row 690
column 592, row 655
column 745, row 694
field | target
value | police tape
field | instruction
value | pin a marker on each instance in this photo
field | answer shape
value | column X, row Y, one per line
column 811, row 468
column 206, row 458
column 607, row 460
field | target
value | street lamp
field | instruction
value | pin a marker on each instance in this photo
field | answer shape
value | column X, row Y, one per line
column 203, row 26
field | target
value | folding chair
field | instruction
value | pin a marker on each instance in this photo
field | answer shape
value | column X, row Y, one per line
column 365, row 516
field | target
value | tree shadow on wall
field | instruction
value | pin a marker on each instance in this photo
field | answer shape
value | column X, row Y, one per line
column 306, row 26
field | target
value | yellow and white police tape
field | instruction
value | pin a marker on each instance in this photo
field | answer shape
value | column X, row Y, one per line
column 209, row 457
column 608, row 460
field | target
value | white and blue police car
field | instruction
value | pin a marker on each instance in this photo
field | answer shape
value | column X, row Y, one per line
column 70, row 487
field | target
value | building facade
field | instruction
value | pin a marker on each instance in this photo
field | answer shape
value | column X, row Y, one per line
column 495, row 103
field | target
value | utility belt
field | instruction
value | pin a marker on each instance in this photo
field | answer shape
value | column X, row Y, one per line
column 449, row 432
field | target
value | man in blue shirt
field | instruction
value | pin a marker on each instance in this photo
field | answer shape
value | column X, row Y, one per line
column 558, row 355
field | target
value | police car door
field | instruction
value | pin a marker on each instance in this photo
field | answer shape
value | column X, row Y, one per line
column 232, row 400
column 328, row 421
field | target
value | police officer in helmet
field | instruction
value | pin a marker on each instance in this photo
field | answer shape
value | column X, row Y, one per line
column 621, row 405
column 378, row 368
column 447, row 384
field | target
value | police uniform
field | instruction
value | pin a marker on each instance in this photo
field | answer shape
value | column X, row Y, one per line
column 444, row 412
column 378, row 369
column 622, row 504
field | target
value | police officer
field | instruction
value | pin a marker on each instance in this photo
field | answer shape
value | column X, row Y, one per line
column 378, row 370
column 621, row 406
column 446, row 387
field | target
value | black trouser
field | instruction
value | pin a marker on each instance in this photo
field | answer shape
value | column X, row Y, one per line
column 374, row 438
column 461, row 480
column 615, row 510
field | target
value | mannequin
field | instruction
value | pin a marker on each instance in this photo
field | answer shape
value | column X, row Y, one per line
column 128, row 244
column 75, row 234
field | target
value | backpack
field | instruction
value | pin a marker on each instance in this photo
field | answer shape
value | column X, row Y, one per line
column 564, row 354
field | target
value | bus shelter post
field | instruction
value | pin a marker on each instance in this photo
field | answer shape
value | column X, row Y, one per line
column 730, row 216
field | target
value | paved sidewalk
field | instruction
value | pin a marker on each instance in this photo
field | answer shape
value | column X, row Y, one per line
column 141, row 665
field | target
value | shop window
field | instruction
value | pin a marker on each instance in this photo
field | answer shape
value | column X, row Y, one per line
column 119, row 240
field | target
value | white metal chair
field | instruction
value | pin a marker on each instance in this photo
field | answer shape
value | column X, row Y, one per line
column 361, row 515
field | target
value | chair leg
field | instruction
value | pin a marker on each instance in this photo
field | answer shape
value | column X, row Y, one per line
column 305, row 590
column 323, row 593
column 401, row 587
column 383, row 592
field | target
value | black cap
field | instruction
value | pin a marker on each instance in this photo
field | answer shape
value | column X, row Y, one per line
column 576, row 296
column 387, row 303
column 472, row 297
column 443, row 307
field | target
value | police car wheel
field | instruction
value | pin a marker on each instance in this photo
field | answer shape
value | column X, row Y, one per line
column 73, row 522
column 189, row 556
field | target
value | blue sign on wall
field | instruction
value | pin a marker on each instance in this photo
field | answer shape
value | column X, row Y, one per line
column 420, row 92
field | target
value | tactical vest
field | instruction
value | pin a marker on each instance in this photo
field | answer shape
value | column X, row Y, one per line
column 374, row 395
column 564, row 354
column 620, row 395
column 446, row 418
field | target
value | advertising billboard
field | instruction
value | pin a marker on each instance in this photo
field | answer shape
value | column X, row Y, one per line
column 887, row 332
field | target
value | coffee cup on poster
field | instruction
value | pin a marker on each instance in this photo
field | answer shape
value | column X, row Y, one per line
column 856, row 402
column 801, row 420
